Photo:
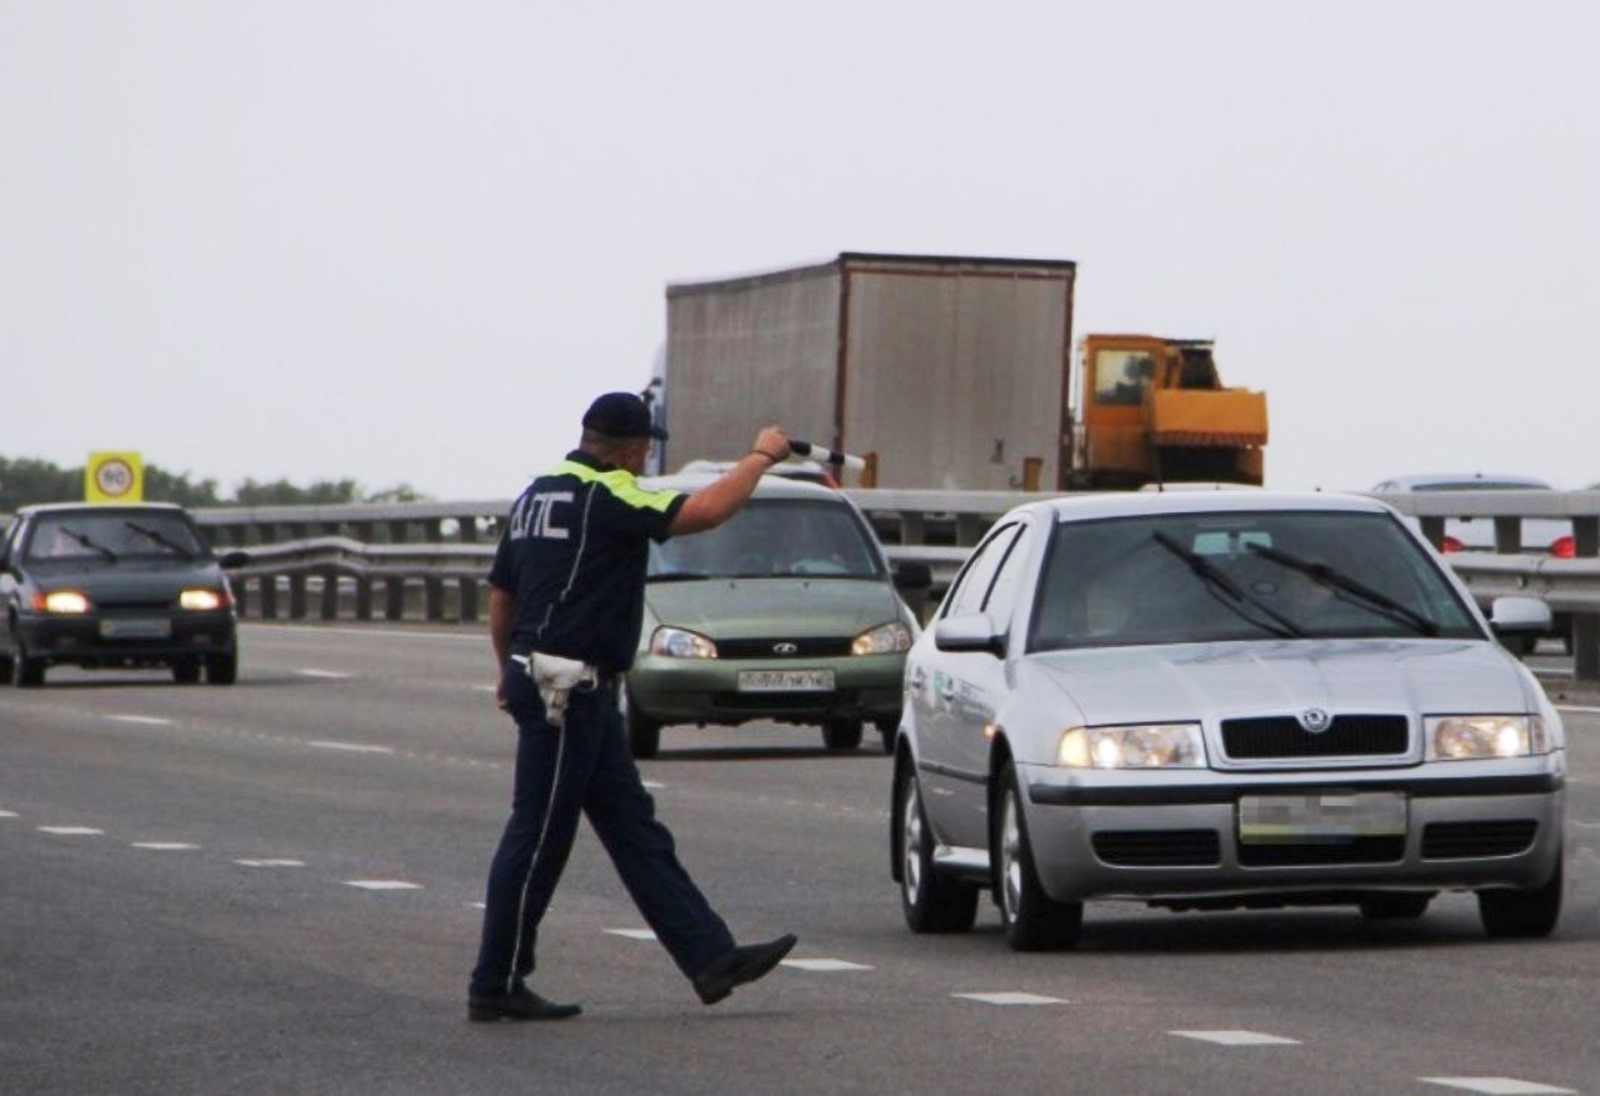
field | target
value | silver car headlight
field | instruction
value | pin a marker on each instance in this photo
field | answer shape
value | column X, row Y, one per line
column 885, row 639
column 1146, row 746
column 678, row 643
column 1474, row 737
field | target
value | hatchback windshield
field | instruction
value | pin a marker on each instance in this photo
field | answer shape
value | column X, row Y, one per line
column 1196, row 578
column 112, row 535
column 773, row 537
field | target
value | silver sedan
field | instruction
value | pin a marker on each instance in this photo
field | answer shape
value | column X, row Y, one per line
column 1215, row 700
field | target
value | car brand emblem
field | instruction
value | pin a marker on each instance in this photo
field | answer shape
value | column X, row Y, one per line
column 786, row 648
column 1315, row 720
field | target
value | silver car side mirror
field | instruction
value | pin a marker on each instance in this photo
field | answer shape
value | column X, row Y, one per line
column 968, row 633
column 1510, row 616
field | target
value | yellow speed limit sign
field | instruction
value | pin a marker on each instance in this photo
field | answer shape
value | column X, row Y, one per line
column 114, row 477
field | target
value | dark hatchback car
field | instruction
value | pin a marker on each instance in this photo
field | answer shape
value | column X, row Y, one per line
column 114, row 586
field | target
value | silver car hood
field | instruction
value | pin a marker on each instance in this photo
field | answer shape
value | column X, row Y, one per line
column 1214, row 681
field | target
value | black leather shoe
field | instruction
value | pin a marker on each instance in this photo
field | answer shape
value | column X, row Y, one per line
column 520, row 1004
column 739, row 966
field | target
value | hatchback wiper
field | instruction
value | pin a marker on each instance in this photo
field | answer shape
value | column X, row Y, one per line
column 160, row 538
column 1215, row 580
column 92, row 545
column 1348, row 589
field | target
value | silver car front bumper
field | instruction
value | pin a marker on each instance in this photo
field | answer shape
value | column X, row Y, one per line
column 1178, row 836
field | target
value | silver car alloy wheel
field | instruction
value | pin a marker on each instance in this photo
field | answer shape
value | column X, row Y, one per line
column 911, row 837
column 1010, row 856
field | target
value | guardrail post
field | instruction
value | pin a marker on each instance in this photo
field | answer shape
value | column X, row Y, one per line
column 433, row 598
column 238, row 584
column 468, row 529
column 970, row 529
column 1507, row 536
column 1586, row 626
column 469, row 599
column 297, row 597
column 363, row 597
column 330, row 594
column 394, row 598
column 1433, row 530
column 269, row 597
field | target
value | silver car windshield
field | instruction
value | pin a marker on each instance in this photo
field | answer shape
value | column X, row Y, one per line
column 773, row 538
column 1199, row 578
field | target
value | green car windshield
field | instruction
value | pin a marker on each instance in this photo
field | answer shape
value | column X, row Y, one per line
column 1203, row 578
column 770, row 538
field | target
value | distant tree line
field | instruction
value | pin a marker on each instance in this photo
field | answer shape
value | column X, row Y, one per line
column 24, row 482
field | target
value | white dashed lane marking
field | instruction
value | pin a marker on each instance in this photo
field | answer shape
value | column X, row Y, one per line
column 8, row 814
column 1589, row 711
column 72, row 831
column 163, row 846
column 1237, row 1038
column 271, row 863
column 827, row 965
column 142, row 720
column 1500, row 1086
column 326, row 675
column 1011, row 999
column 382, row 884
column 633, row 934
column 350, row 747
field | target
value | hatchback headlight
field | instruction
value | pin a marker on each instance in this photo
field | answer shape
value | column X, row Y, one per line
column 1147, row 746
column 1474, row 737
column 885, row 639
column 200, row 600
column 677, row 643
column 61, row 601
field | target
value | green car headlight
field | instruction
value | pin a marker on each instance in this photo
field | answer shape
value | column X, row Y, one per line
column 678, row 643
column 1145, row 746
column 885, row 639
column 1475, row 737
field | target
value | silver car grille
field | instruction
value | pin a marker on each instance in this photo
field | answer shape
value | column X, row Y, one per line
column 1283, row 737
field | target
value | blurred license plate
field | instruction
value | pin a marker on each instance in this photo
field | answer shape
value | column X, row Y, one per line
column 785, row 681
column 1320, row 817
column 135, row 629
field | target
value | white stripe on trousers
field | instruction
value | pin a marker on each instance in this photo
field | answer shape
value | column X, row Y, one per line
column 533, row 862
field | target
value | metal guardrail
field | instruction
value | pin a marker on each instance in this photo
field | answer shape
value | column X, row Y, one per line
column 433, row 557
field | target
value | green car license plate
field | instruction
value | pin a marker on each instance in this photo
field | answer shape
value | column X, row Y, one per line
column 1320, row 817
column 785, row 681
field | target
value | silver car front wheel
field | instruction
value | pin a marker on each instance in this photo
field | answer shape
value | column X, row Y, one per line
column 1033, row 921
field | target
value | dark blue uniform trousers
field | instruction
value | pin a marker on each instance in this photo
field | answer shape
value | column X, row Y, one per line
column 562, row 772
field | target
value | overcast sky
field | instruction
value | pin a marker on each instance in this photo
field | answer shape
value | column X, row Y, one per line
column 399, row 241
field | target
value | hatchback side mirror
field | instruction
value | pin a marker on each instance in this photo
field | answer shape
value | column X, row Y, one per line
column 235, row 558
column 912, row 575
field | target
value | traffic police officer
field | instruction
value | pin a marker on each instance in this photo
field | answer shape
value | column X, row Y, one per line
column 566, row 603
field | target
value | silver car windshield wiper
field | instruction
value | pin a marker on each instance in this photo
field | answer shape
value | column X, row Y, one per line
column 1348, row 589
column 160, row 538
column 93, row 545
column 1215, row 580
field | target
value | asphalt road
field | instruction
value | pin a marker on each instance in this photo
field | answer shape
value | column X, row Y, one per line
column 271, row 888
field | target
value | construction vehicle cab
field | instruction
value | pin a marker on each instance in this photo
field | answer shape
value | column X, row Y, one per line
column 1153, row 410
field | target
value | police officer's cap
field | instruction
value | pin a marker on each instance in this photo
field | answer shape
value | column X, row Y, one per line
column 621, row 415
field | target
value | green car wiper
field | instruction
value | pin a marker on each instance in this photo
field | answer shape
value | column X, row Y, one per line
column 92, row 545
column 160, row 538
column 1348, row 589
column 676, row 576
column 1215, row 580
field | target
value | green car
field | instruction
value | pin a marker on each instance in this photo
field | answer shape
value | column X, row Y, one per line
column 789, row 612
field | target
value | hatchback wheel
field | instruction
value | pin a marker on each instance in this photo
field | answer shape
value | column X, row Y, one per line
column 222, row 669
column 1032, row 920
column 1522, row 913
column 930, row 901
column 644, row 734
column 8, row 668
column 841, row 734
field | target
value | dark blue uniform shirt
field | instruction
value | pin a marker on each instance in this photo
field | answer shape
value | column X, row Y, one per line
column 573, row 555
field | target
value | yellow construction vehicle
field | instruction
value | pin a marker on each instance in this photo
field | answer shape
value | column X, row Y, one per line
column 1153, row 410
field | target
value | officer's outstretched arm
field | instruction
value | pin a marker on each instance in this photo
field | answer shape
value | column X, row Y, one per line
column 715, row 503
